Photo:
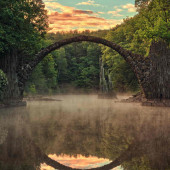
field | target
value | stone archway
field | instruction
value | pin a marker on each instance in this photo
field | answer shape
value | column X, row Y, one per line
column 153, row 72
column 134, row 60
column 133, row 150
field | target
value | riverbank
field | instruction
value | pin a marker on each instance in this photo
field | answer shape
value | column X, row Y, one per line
column 139, row 98
column 40, row 98
column 13, row 104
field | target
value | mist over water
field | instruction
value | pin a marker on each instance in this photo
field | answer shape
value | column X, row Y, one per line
column 82, row 131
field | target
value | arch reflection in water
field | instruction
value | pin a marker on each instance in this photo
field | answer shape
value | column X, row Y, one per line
column 137, row 138
column 78, row 161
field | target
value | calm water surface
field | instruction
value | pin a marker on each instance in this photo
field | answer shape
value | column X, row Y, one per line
column 84, row 132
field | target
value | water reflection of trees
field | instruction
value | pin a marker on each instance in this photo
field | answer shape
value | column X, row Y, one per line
column 132, row 140
column 16, row 152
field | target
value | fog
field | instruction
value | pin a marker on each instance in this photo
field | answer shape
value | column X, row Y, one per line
column 84, row 126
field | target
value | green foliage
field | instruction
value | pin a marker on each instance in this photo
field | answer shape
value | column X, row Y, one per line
column 3, row 83
column 136, row 35
column 48, row 67
column 76, row 64
column 60, row 64
column 139, row 163
column 32, row 89
column 83, row 64
column 22, row 24
column 43, row 78
column 155, row 18
column 36, row 83
column 122, row 76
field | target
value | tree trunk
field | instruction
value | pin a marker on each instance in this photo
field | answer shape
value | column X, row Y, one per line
column 12, row 95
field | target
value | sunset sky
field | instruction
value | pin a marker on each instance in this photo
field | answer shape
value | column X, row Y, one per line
column 66, row 15
column 79, row 162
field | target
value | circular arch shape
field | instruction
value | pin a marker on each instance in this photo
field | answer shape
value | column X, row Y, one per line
column 126, row 54
column 124, row 156
column 59, row 166
column 135, row 61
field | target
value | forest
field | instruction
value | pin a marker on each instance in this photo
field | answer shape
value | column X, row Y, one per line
column 25, row 32
column 74, row 85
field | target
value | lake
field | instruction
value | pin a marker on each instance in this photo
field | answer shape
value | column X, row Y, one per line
column 84, row 132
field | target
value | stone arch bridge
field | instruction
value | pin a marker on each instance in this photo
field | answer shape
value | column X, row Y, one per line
column 152, row 72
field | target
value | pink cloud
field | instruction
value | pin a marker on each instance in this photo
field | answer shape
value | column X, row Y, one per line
column 78, row 162
column 82, row 12
column 70, row 18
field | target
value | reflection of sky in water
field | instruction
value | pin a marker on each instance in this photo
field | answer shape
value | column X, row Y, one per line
column 83, row 124
column 79, row 161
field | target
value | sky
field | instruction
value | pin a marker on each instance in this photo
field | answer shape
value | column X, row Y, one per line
column 79, row 162
column 66, row 15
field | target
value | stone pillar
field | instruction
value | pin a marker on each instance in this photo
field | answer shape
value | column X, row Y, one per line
column 157, row 78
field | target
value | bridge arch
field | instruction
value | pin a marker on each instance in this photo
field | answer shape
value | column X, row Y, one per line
column 126, row 155
column 152, row 72
column 135, row 61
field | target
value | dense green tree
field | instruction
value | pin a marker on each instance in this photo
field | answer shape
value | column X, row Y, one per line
column 122, row 76
column 78, row 63
column 89, row 67
column 83, row 64
column 37, row 83
column 136, row 34
column 22, row 24
column 155, row 20
column 60, row 64
column 49, row 71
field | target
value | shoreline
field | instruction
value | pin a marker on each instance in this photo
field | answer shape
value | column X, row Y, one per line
column 137, row 98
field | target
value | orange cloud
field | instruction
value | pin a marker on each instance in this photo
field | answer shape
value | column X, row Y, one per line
column 77, row 162
column 66, row 18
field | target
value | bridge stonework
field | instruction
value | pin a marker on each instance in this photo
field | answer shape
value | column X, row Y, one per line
column 135, row 61
column 156, row 75
column 153, row 72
